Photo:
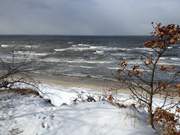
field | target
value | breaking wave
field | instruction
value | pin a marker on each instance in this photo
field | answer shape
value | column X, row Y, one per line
column 98, row 49
column 50, row 59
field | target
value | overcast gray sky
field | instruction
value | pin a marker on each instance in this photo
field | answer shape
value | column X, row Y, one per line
column 86, row 17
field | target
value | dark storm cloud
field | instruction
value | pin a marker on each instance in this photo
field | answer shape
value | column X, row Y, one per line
column 102, row 17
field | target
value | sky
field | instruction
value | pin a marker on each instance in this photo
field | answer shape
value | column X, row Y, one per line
column 86, row 17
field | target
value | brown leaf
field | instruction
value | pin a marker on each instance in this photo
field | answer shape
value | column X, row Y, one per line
column 123, row 63
column 167, row 68
column 178, row 86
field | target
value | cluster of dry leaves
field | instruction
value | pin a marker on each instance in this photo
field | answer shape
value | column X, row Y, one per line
column 164, row 36
column 167, row 121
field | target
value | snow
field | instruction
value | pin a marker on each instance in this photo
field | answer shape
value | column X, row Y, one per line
column 56, row 96
column 28, row 115
column 65, row 111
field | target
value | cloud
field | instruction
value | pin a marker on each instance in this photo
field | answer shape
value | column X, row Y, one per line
column 89, row 17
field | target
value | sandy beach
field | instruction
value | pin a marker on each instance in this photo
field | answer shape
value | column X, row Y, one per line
column 82, row 82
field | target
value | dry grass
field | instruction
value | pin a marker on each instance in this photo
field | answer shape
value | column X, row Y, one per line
column 21, row 91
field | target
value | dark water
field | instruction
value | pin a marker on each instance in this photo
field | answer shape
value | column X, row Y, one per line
column 94, row 56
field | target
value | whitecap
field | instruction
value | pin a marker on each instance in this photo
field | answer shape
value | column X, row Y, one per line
column 143, row 49
column 75, row 74
column 86, row 75
column 99, row 52
column 134, row 62
column 88, row 61
column 83, row 48
column 83, row 45
column 86, row 67
column 175, row 59
column 70, row 42
column 119, row 54
column 31, row 46
column 86, row 47
column 170, row 47
column 163, row 58
column 170, row 58
column 76, row 48
column 61, row 50
column 30, row 53
column 169, row 64
column 114, row 48
column 113, row 68
column 51, row 60
column 5, row 46
column 28, row 46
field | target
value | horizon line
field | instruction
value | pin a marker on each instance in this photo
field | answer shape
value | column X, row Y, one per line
column 67, row 35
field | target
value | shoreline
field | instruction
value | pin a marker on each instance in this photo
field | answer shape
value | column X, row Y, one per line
column 82, row 82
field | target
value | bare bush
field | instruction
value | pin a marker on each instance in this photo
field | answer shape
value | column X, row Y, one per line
column 143, row 79
column 16, row 71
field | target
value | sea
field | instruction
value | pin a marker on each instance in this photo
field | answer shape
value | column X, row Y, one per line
column 81, row 56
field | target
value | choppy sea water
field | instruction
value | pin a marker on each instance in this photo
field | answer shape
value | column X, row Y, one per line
column 94, row 56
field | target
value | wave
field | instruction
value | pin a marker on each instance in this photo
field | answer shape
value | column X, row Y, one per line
column 169, row 64
column 119, row 54
column 88, row 61
column 78, row 47
column 75, row 74
column 98, row 49
column 86, row 67
column 19, row 45
column 60, row 50
column 81, row 45
column 175, row 59
column 170, row 47
column 87, row 48
column 99, row 52
column 142, row 49
column 70, row 42
column 91, row 76
column 113, row 68
column 164, row 58
column 30, row 53
column 135, row 62
column 6, row 46
column 170, row 58
column 75, row 61
column 163, row 61
column 30, row 46
column 116, row 68
column 55, row 60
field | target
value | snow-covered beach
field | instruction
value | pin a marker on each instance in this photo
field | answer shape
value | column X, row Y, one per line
column 32, row 115
column 62, row 110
